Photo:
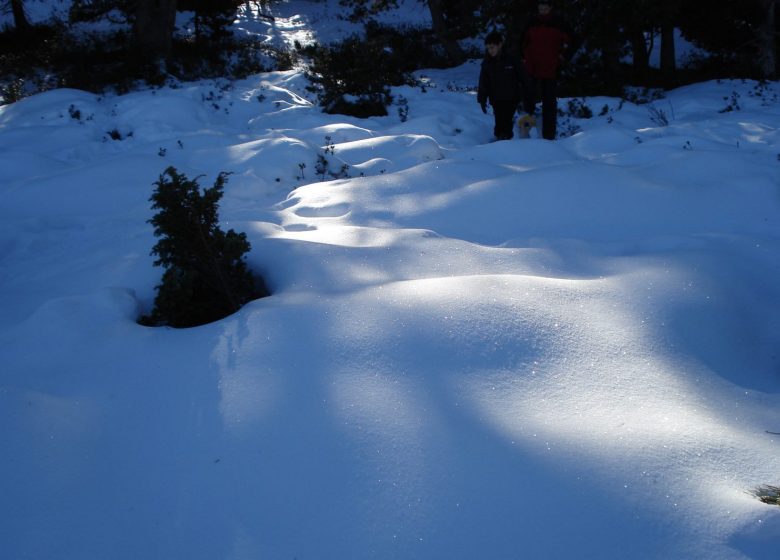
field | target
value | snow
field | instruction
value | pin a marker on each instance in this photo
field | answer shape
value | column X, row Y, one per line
column 519, row 349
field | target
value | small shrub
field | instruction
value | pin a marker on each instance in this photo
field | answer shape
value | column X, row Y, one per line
column 117, row 135
column 322, row 167
column 12, row 91
column 577, row 108
column 658, row 116
column 764, row 91
column 733, row 103
column 567, row 127
column 206, row 277
column 768, row 494
column 403, row 108
column 642, row 96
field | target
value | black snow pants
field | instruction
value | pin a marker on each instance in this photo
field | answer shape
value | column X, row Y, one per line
column 548, row 90
column 504, row 113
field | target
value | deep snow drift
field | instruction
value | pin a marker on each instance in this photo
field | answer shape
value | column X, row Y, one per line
column 521, row 349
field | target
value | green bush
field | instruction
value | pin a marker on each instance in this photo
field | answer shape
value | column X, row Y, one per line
column 353, row 77
column 409, row 48
column 231, row 58
column 206, row 277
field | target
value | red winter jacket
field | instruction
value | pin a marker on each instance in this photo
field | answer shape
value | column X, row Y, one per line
column 546, row 40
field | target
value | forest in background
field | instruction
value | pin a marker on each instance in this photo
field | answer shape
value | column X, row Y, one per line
column 100, row 45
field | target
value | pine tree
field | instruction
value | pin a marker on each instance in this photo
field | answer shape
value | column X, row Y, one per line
column 206, row 277
column 212, row 17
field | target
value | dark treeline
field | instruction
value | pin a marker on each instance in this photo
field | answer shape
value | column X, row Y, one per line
column 739, row 38
column 142, row 45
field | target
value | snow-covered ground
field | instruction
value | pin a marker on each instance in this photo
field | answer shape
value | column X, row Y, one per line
column 520, row 349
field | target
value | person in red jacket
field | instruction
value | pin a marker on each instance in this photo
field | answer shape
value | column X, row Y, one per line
column 547, row 41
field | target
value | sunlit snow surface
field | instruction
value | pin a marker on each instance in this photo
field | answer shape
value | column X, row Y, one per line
column 521, row 349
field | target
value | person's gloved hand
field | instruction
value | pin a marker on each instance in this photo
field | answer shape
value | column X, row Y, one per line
column 483, row 104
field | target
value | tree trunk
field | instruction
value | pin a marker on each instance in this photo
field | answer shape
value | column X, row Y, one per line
column 20, row 18
column 767, row 40
column 454, row 52
column 668, row 53
column 154, row 24
column 639, row 51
